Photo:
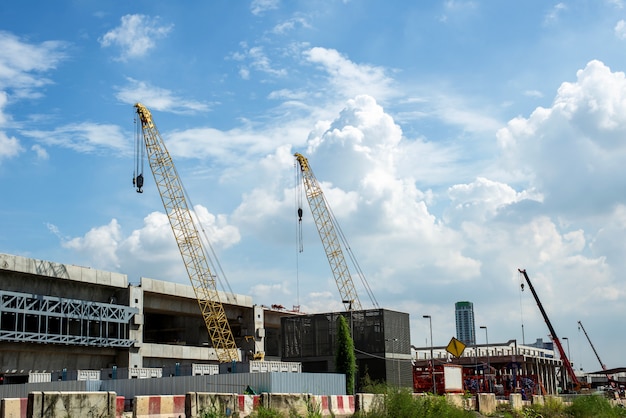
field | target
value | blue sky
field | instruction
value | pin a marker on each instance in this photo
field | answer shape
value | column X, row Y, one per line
column 456, row 142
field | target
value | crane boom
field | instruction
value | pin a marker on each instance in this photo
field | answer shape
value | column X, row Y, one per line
column 592, row 347
column 188, row 239
column 555, row 338
column 326, row 226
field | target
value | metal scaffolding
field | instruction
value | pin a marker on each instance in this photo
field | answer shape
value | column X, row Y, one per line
column 26, row 317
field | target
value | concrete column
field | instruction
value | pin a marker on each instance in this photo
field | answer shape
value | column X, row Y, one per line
column 135, row 358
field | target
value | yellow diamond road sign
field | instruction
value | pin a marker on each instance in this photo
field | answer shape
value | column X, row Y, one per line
column 455, row 347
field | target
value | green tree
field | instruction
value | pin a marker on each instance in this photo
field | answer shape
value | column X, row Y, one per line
column 345, row 360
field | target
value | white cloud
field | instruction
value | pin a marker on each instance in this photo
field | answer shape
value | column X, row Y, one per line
column 150, row 251
column 40, row 152
column 290, row 25
column 576, row 145
column 83, row 137
column 258, row 7
column 22, row 63
column 350, row 79
column 620, row 29
column 257, row 60
column 9, row 146
column 157, row 98
column 99, row 245
column 553, row 14
column 482, row 199
column 136, row 35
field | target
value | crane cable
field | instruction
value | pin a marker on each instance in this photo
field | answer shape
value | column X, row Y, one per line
column 520, row 304
column 140, row 152
column 351, row 255
column 299, row 242
column 214, row 261
column 214, row 264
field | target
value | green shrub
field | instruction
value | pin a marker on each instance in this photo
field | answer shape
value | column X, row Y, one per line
column 594, row 406
column 400, row 403
column 262, row 412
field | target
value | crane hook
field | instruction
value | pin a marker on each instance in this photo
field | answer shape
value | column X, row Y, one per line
column 138, row 181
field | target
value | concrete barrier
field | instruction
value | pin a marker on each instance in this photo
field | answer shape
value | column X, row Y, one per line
column 71, row 404
column 165, row 406
column 486, row 403
column 367, row 402
column 246, row 404
column 13, row 407
column 537, row 400
column 515, row 400
column 291, row 403
column 341, row 405
column 198, row 404
column 119, row 406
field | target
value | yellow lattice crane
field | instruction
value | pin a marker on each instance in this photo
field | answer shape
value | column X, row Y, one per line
column 332, row 237
column 187, row 237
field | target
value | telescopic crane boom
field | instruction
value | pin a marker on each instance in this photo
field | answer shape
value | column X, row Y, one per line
column 327, row 227
column 609, row 378
column 580, row 324
column 187, row 237
column 555, row 338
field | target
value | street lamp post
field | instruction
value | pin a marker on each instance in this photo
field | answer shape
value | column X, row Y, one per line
column 568, row 360
column 488, row 365
column 432, row 357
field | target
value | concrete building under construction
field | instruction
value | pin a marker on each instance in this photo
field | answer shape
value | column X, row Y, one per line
column 56, row 317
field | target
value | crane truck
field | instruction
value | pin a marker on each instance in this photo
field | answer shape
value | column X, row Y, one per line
column 577, row 385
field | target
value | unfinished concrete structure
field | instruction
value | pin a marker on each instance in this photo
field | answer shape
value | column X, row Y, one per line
column 55, row 316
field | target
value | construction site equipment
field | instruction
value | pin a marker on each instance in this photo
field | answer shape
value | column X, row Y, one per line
column 331, row 234
column 577, row 385
column 194, row 256
column 612, row 382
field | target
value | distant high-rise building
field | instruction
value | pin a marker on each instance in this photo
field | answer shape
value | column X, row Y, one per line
column 465, row 329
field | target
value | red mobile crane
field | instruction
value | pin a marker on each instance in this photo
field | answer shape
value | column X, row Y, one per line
column 577, row 385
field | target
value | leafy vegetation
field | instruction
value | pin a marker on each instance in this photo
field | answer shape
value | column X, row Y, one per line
column 345, row 360
column 581, row 407
column 400, row 403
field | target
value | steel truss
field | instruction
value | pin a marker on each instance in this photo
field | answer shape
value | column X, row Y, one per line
column 26, row 317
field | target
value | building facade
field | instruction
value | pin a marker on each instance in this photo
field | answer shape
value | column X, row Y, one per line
column 382, row 344
column 57, row 317
column 464, row 317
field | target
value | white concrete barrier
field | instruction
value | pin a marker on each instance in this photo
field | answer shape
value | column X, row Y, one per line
column 71, row 404
column 164, row 406
column 13, row 407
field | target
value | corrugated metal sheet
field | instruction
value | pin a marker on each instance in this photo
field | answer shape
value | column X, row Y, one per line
column 313, row 383
column 21, row 391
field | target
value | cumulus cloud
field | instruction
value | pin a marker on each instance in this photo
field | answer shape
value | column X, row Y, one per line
column 577, row 145
column 99, row 245
column 151, row 249
column 136, row 35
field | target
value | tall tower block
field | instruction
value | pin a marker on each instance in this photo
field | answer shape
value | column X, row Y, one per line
column 465, row 328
